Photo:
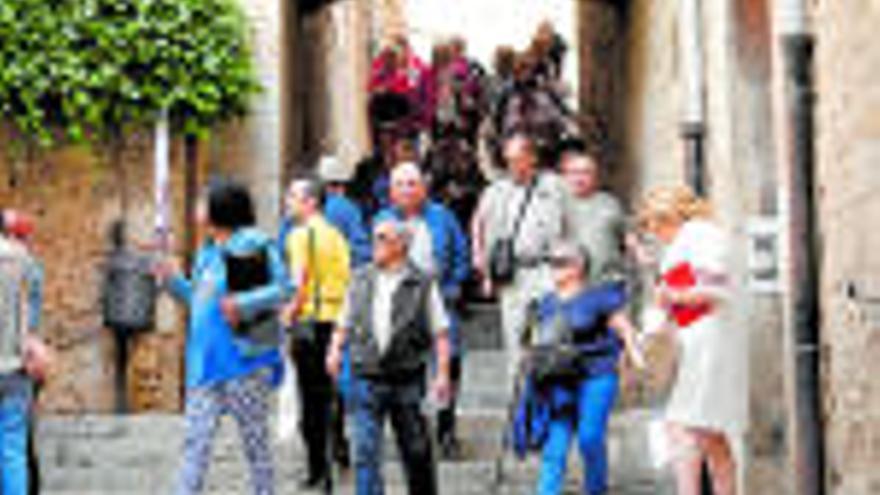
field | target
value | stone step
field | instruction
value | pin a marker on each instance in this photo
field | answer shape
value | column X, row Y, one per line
column 481, row 327
column 115, row 454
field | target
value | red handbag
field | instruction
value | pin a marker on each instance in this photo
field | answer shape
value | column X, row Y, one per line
column 682, row 277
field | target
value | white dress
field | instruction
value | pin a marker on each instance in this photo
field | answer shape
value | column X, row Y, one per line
column 711, row 387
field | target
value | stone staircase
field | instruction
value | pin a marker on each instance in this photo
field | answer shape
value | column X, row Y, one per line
column 139, row 455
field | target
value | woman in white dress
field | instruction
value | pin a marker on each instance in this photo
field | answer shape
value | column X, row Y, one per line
column 706, row 414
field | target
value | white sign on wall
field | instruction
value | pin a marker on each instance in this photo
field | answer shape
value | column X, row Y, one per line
column 764, row 272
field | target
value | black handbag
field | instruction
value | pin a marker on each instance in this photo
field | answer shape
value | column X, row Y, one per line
column 556, row 364
column 557, row 360
column 502, row 262
column 246, row 272
column 502, row 258
column 303, row 331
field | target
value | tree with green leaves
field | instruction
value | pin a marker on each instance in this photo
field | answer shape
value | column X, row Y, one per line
column 92, row 71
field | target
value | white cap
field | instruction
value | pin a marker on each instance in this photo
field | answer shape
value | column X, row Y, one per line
column 331, row 169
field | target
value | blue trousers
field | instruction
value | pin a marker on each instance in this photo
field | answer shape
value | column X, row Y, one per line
column 594, row 401
column 401, row 402
column 15, row 404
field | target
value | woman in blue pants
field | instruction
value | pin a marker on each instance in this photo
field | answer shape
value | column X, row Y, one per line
column 590, row 323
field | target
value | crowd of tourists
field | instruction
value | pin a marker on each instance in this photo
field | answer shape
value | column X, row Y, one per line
column 478, row 188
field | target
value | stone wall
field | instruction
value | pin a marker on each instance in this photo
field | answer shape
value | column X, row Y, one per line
column 75, row 197
column 741, row 170
column 652, row 150
column 847, row 71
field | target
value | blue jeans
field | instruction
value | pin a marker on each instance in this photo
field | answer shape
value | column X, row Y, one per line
column 372, row 401
column 15, row 404
column 595, row 400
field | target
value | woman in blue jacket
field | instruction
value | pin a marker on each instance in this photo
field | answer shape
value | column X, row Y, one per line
column 590, row 320
column 227, row 373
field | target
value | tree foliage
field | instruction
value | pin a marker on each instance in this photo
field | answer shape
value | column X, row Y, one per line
column 74, row 71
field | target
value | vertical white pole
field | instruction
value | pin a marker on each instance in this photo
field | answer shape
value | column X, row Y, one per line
column 162, row 183
column 166, row 311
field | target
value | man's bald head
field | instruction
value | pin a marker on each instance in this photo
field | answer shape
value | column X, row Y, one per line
column 408, row 188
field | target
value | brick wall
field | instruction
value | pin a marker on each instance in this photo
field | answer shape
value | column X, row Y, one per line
column 847, row 71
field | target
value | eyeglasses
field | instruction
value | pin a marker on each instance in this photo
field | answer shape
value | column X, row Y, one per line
column 384, row 238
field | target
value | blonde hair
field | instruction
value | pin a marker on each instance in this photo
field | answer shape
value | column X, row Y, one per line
column 672, row 203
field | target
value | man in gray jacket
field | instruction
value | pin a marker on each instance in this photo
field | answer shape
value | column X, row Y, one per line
column 392, row 317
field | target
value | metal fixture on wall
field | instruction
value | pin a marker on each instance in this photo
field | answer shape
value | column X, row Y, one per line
column 128, row 302
column 693, row 80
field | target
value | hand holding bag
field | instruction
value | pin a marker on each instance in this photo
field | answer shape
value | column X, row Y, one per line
column 245, row 272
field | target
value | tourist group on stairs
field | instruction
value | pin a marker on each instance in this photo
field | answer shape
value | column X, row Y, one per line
column 478, row 188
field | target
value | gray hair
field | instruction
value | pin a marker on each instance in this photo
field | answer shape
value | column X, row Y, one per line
column 400, row 229
column 407, row 170
column 572, row 250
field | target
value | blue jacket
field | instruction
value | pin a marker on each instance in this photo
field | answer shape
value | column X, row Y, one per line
column 348, row 218
column 451, row 252
column 345, row 215
column 586, row 316
column 214, row 354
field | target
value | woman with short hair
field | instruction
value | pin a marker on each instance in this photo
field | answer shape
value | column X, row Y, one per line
column 574, row 367
column 229, row 371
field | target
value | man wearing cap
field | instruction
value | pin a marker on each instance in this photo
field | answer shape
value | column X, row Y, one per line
column 24, row 358
column 438, row 247
column 341, row 211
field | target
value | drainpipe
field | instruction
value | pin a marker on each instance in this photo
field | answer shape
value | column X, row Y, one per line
column 693, row 121
column 803, row 318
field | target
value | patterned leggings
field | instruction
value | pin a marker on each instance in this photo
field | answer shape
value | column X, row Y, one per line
column 246, row 400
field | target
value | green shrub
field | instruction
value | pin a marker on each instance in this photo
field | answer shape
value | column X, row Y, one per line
column 91, row 71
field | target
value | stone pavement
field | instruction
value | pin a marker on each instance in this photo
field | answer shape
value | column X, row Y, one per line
column 139, row 455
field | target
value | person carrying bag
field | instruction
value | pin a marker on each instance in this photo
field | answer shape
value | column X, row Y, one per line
column 502, row 260
column 574, row 368
column 319, row 264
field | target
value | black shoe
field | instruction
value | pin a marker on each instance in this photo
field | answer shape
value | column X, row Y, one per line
column 341, row 454
column 450, row 449
column 314, row 483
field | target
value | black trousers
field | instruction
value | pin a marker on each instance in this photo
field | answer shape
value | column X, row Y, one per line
column 446, row 417
column 316, row 395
